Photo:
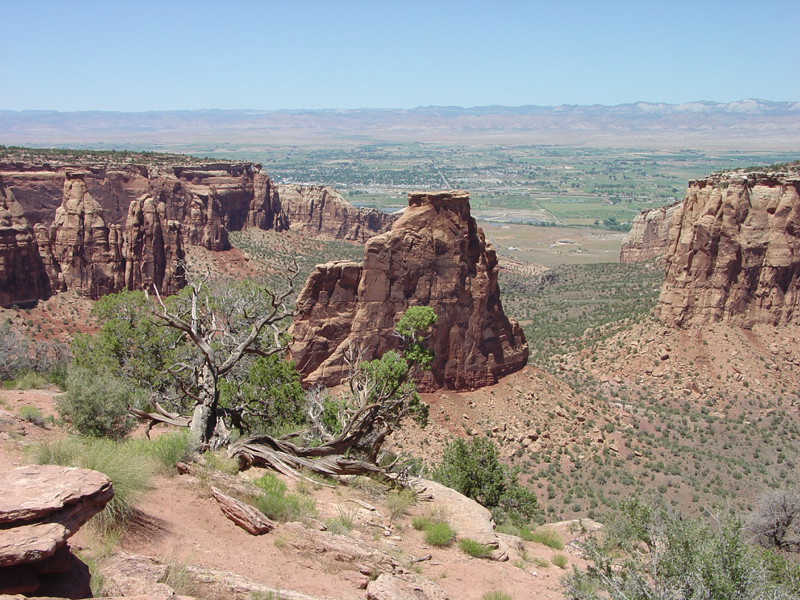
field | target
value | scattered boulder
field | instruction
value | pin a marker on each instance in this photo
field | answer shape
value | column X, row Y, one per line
column 41, row 506
column 468, row 518
column 404, row 587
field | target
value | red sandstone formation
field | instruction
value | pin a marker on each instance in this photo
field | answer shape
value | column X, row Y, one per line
column 648, row 236
column 118, row 224
column 434, row 255
column 734, row 251
column 321, row 211
column 23, row 278
column 207, row 199
column 88, row 252
column 152, row 247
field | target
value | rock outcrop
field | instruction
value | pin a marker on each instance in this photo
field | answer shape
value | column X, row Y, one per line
column 153, row 247
column 435, row 255
column 207, row 199
column 321, row 211
column 23, row 277
column 41, row 506
column 88, row 252
column 118, row 224
column 649, row 235
column 734, row 251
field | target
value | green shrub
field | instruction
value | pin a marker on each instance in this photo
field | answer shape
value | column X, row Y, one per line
column 96, row 404
column 439, row 534
column 560, row 561
column 473, row 468
column 651, row 548
column 276, row 504
column 420, row 522
column 474, row 549
column 544, row 535
column 30, row 380
column 31, row 414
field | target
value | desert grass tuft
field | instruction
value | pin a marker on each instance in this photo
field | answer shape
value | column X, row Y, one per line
column 439, row 534
column 474, row 548
column 495, row 595
column 544, row 535
column 31, row 414
column 560, row 561
column 399, row 502
column 166, row 450
column 130, row 473
column 279, row 505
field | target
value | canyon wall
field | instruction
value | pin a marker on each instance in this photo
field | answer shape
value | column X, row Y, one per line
column 23, row 277
column 648, row 236
column 435, row 255
column 208, row 200
column 320, row 211
column 734, row 251
column 102, row 226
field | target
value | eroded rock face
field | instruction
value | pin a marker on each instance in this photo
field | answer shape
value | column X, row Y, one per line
column 649, row 235
column 208, row 200
column 23, row 278
column 321, row 211
column 88, row 252
column 734, row 251
column 435, row 255
column 152, row 247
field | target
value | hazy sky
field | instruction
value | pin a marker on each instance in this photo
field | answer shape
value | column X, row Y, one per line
column 142, row 55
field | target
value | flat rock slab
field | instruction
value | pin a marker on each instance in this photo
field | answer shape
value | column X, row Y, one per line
column 50, row 493
column 468, row 518
column 409, row 587
column 30, row 543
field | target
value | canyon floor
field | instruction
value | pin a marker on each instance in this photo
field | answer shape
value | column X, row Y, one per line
column 180, row 525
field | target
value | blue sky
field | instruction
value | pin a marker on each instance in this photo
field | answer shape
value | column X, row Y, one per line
column 167, row 55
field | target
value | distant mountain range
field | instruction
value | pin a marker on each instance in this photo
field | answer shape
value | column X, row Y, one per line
column 753, row 122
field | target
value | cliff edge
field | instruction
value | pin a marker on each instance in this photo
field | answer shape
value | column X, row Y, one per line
column 734, row 251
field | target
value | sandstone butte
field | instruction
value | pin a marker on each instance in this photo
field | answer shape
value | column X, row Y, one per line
column 733, row 251
column 320, row 211
column 648, row 236
column 435, row 255
column 101, row 227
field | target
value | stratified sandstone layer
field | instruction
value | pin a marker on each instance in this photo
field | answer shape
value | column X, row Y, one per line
column 320, row 211
column 41, row 506
column 87, row 251
column 734, row 251
column 435, row 255
column 649, row 235
column 208, row 200
column 23, row 278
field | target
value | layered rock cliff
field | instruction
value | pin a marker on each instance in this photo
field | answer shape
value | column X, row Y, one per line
column 23, row 278
column 435, row 255
column 208, row 199
column 114, row 223
column 648, row 236
column 734, row 251
column 321, row 211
